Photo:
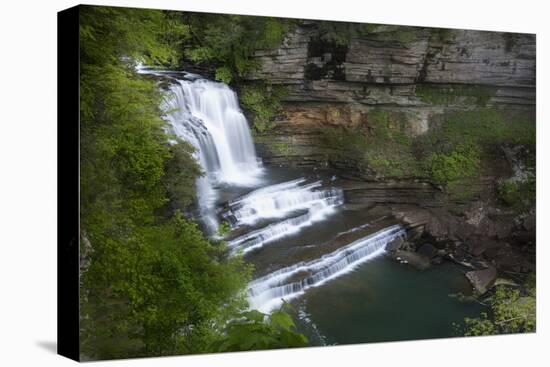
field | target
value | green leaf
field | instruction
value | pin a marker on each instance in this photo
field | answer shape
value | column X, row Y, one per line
column 281, row 319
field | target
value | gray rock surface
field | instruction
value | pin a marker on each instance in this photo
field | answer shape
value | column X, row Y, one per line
column 482, row 280
column 398, row 69
column 385, row 65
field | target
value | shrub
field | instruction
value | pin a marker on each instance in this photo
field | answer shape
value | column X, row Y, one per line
column 264, row 101
column 517, row 194
column 512, row 311
column 463, row 161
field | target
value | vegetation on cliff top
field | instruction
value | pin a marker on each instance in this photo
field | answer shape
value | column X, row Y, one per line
column 229, row 41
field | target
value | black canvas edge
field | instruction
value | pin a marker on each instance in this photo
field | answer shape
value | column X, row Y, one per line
column 68, row 183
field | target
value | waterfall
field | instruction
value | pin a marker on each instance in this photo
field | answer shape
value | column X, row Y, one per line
column 267, row 292
column 207, row 115
column 273, row 232
column 280, row 200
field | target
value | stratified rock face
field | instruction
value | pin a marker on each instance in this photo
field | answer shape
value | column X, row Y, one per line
column 384, row 65
column 489, row 58
column 482, row 280
column 285, row 65
column 401, row 70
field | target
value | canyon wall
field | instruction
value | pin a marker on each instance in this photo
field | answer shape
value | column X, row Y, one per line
column 414, row 74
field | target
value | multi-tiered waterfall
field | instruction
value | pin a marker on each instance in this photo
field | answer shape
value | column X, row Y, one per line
column 298, row 232
column 207, row 115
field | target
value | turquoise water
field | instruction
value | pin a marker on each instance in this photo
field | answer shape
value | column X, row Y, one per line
column 381, row 300
column 386, row 301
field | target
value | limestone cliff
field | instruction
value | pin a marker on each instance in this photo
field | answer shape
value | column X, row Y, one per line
column 418, row 73
column 403, row 82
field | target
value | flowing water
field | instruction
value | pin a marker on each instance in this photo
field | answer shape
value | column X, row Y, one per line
column 308, row 247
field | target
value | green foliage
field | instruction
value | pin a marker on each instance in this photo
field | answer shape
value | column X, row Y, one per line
column 480, row 326
column 462, row 161
column 223, row 74
column 166, row 288
column 180, row 173
column 264, row 101
column 255, row 331
column 455, row 94
column 512, row 311
column 341, row 33
column 517, row 194
column 366, row 28
column 383, row 144
column 463, row 189
column 281, row 147
column 229, row 41
column 107, row 35
column 464, row 140
column 488, row 126
column 452, row 153
column 223, row 229
column 402, row 34
column 441, row 34
column 151, row 284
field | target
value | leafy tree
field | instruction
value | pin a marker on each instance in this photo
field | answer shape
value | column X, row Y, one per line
column 512, row 311
column 264, row 101
column 254, row 330
column 229, row 41
column 151, row 284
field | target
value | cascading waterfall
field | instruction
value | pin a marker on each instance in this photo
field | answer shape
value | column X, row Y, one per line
column 276, row 201
column 273, row 232
column 207, row 115
column 267, row 292
column 299, row 228
column 280, row 200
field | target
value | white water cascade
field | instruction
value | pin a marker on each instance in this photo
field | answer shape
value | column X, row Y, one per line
column 207, row 115
column 278, row 201
column 267, row 292
column 287, row 227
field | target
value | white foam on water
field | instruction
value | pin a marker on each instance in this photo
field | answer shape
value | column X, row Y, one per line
column 280, row 200
column 273, row 232
column 268, row 292
column 207, row 115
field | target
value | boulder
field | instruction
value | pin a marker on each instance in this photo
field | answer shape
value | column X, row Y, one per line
column 482, row 280
column 427, row 250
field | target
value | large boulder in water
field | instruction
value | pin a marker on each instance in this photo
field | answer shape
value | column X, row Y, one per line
column 482, row 280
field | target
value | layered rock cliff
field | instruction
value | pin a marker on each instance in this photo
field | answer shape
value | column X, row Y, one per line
column 418, row 73
column 403, row 82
